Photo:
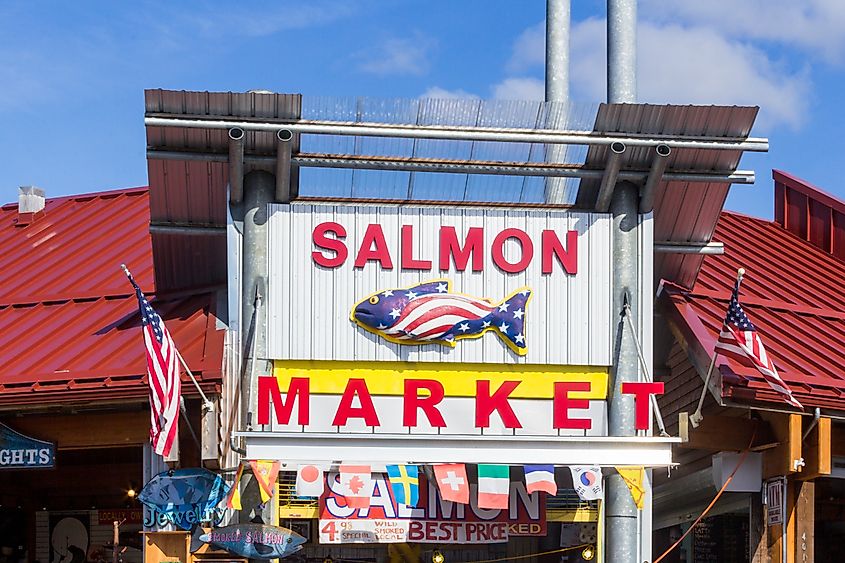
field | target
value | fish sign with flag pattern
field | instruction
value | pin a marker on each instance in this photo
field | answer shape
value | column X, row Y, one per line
column 430, row 312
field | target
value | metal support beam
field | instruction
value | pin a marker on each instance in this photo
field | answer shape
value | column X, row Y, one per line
column 364, row 162
column 236, row 164
column 608, row 180
column 283, row 171
column 181, row 229
column 670, row 247
column 621, row 514
column 390, row 448
column 461, row 133
column 655, row 175
column 259, row 190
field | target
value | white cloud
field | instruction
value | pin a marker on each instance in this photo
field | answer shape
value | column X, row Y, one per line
column 676, row 64
column 696, row 65
column 817, row 26
column 529, row 49
column 398, row 56
column 524, row 88
column 441, row 93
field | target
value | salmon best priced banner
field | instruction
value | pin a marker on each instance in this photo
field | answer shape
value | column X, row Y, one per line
column 432, row 521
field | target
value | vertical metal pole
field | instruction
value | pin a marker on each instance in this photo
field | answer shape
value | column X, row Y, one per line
column 557, row 87
column 259, row 190
column 557, row 50
column 621, row 51
column 621, row 515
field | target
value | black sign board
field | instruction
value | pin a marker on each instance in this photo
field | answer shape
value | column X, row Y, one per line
column 22, row 452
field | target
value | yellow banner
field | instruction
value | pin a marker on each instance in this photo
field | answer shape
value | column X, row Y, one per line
column 458, row 380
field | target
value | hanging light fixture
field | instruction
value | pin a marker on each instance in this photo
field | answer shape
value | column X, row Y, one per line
column 437, row 557
column 588, row 553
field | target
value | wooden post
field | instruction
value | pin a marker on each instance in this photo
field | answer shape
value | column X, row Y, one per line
column 805, row 518
column 116, row 541
column 758, row 540
column 210, row 435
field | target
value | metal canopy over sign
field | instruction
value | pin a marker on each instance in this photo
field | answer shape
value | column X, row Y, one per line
column 22, row 452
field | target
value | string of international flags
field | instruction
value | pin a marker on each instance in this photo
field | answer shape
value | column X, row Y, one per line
column 354, row 482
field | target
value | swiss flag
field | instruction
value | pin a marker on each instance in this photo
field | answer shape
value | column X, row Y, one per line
column 452, row 482
column 356, row 485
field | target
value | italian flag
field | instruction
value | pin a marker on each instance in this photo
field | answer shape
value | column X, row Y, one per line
column 494, row 483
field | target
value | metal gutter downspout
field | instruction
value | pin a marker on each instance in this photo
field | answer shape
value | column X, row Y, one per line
column 608, row 180
column 283, row 160
column 658, row 166
column 236, row 164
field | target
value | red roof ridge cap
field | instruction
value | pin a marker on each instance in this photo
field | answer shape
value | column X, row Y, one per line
column 88, row 196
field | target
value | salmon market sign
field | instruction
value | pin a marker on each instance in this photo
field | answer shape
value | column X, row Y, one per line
column 443, row 334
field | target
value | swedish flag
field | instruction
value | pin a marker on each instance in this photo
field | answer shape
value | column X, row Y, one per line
column 405, row 482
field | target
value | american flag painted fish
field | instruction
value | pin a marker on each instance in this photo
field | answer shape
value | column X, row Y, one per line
column 431, row 313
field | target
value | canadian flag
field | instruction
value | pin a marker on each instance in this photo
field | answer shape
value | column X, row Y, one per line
column 356, row 485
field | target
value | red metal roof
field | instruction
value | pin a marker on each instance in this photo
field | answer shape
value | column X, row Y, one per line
column 70, row 324
column 793, row 292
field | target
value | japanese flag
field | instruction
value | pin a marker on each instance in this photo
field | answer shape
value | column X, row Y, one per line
column 310, row 481
column 356, row 485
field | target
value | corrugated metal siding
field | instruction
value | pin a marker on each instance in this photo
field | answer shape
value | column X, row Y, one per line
column 568, row 317
column 683, row 212
column 95, row 347
column 793, row 292
column 69, row 316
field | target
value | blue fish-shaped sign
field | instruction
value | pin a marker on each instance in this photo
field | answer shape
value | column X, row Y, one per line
column 431, row 313
column 255, row 541
column 180, row 491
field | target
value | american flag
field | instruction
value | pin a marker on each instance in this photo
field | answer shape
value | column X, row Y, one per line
column 740, row 341
column 163, row 376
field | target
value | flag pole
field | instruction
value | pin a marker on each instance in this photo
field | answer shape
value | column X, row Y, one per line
column 206, row 404
column 696, row 417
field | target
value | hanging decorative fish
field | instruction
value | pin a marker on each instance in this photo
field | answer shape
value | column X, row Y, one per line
column 184, row 496
column 255, row 541
column 431, row 313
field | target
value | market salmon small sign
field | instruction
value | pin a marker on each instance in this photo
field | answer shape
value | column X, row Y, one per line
column 22, row 452
column 433, row 521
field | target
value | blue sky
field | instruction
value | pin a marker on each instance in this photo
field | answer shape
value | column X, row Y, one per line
column 73, row 73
